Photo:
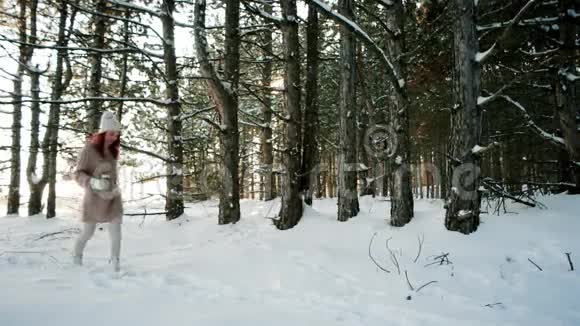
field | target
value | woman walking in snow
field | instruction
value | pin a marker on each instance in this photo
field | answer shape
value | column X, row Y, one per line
column 96, row 172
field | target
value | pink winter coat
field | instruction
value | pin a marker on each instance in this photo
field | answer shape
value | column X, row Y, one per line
column 98, row 207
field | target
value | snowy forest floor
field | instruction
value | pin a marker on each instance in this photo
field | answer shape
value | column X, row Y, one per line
column 193, row 272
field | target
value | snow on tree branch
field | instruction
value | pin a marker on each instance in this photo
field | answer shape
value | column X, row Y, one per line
column 524, row 22
column 263, row 14
column 156, row 13
column 573, row 13
column 397, row 80
column 219, row 90
column 386, row 3
column 483, row 100
column 138, row 150
column 569, row 76
column 93, row 12
column 86, row 49
column 540, row 53
column 479, row 150
column 558, row 141
column 507, row 33
column 136, row 7
column 195, row 113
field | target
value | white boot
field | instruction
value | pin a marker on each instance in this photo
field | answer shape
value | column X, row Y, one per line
column 115, row 234
column 78, row 260
column 81, row 242
column 116, row 264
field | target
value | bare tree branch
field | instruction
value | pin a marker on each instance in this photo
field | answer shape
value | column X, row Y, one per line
column 558, row 141
column 501, row 42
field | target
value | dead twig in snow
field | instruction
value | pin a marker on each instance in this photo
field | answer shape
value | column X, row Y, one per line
column 143, row 217
column 409, row 283
column 373, row 259
column 424, row 285
column 392, row 256
column 570, row 261
column 441, row 259
column 531, row 261
column 421, row 240
column 46, row 235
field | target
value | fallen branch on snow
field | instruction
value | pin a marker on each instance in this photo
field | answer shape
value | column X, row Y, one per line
column 46, row 235
column 409, row 283
column 394, row 259
column 531, row 261
column 441, row 259
column 421, row 240
column 570, row 261
column 372, row 258
column 424, row 285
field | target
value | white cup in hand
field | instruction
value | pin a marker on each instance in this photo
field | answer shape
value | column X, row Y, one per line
column 100, row 184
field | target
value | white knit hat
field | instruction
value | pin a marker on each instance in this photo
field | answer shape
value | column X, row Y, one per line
column 109, row 122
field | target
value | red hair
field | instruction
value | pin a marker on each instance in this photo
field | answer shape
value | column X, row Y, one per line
column 98, row 139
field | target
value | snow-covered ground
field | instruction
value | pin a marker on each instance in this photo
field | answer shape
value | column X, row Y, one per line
column 193, row 272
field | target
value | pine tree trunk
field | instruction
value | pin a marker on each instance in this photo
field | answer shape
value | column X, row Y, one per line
column 224, row 95
column 94, row 110
column 174, row 200
column 419, row 179
column 291, row 206
column 35, row 200
column 348, row 205
column 443, row 167
column 32, row 175
column 400, row 185
column 50, row 142
column 432, row 177
column 463, row 207
column 364, row 123
column 266, row 148
column 124, row 65
column 230, row 200
column 13, row 200
column 566, row 90
column 386, row 180
column 310, row 139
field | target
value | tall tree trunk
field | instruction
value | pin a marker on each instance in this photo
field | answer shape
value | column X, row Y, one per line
column 224, row 95
column 566, row 89
column 266, row 148
column 463, row 206
column 310, row 155
column 50, row 142
column 443, row 167
column 124, row 65
column 291, row 206
column 32, row 175
column 400, row 185
column 35, row 200
column 14, row 187
column 230, row 201
column 174, row 199
column 420, row 178
column 347, row 156
column 365, row 117
column 95, row 108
